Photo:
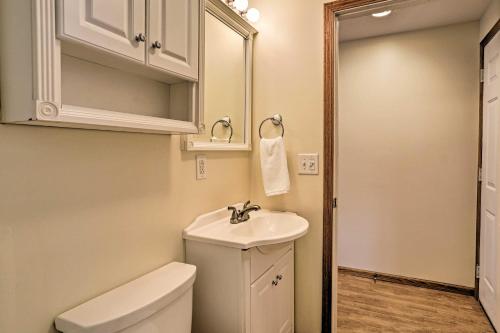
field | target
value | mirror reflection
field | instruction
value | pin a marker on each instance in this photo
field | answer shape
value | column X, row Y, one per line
column 224, row 83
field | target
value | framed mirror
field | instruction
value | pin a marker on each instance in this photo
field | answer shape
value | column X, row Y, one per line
column 227, row 81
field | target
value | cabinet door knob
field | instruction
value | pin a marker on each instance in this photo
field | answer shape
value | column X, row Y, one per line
column 140, row 37
column 279, row 277
column 275, row 282
column 156, row 45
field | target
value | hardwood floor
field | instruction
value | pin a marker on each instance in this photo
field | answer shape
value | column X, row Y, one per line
column 368, row 307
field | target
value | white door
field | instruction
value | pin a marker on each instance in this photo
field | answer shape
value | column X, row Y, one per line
column 262, row 311
column 112, row 25
column 173, row 36
column 489, row 220
column 283, row 297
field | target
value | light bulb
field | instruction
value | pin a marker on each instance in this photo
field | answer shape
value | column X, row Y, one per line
column 382, row 14
column 253, row 15
column 240, row 5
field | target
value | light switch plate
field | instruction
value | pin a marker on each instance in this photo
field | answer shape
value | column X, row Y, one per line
column 308, row 164
column 201, row 167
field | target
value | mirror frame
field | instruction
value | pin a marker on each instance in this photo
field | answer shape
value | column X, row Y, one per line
column 233, row 20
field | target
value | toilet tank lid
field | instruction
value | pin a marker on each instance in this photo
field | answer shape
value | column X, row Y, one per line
column 130, row 303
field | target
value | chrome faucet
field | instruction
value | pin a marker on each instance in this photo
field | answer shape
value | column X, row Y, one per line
column 242, row 215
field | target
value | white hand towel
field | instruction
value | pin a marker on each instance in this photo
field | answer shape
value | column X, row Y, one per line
column 274, row 167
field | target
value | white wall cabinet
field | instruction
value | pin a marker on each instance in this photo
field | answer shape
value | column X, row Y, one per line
column 247, row 291
column 157, row 40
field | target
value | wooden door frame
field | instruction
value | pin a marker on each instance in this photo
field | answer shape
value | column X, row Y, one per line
column 331, row 11
column 489, row 36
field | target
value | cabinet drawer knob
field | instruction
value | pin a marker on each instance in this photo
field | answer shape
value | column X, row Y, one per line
column 140, row 37
column 156, row 45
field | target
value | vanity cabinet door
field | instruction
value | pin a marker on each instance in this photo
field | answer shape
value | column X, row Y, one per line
column 272, row 297
column 174, row 36
column 111, row 25
column 262, row 311
column 283, row 294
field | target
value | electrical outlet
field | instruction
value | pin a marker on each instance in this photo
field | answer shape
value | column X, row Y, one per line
column 308, row 164
column 201, row 167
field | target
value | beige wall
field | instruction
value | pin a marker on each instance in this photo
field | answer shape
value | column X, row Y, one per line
column 408, row 138
column 83, row 211
column 489, row 18
column 289, row 80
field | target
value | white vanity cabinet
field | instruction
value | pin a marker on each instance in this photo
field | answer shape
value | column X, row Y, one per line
column 244, row 271
column 242, row 290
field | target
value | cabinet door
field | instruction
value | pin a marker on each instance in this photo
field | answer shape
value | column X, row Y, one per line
column 262, row 311
column 283, row 294
column 272, row 299
column 109, row 24
column 174, row 36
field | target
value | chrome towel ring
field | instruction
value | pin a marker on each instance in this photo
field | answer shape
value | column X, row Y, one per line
column 277, row 120
column 226, row 122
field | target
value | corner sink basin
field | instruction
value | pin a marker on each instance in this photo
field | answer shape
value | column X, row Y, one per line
column 263, row 228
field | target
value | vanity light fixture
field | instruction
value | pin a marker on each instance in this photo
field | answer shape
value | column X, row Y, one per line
column 382, row 14
column 253, row 15
column 240, row 6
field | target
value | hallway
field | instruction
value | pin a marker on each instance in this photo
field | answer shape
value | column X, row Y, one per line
column 365, row 306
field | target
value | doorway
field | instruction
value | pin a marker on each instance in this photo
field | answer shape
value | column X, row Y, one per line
column 416, row 160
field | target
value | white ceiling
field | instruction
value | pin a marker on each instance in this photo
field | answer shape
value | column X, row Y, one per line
column 410, row 15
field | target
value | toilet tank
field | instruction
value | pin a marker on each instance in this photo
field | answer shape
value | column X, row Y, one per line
column 160, row 301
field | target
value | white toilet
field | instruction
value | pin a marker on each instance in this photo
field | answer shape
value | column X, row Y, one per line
column 160, row 301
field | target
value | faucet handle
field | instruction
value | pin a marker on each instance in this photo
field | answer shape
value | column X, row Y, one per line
column 234, row 209
column 246, row 204
column 235, row 215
